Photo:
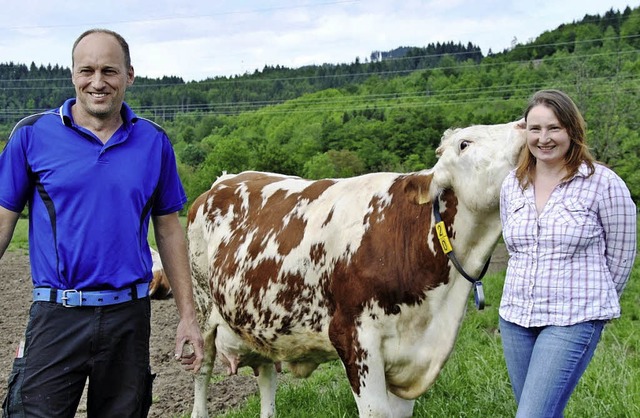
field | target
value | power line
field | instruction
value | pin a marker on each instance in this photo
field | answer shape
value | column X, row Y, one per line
column 603, row 86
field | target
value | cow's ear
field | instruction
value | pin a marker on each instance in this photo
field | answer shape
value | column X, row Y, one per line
column 417, row 189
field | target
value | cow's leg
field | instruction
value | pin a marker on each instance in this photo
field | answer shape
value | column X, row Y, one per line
column 267, row 383
column 370, row 389
column 201, row 380
column 363, row 361
column 402, row 408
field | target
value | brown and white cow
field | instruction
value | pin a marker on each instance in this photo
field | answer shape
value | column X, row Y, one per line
column 303, row 272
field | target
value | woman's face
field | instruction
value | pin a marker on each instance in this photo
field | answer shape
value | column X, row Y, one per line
column 547, row 140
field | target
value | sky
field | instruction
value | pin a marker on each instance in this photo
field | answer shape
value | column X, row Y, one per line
column 196, row 40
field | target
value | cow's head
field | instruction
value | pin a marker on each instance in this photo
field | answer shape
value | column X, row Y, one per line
column 474, row 161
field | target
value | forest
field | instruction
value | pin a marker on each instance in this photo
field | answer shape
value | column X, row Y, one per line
column 384, row 113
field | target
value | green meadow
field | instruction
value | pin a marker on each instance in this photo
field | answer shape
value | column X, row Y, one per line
column 474, row 382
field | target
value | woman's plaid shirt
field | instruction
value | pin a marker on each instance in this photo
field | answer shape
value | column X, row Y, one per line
column 571, row 263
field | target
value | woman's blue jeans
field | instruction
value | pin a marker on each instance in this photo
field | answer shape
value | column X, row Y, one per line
column 545, row 363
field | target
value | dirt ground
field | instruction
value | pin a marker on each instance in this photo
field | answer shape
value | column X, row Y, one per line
column 173, row 387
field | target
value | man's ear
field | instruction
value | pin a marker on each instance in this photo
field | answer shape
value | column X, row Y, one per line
column 130, row 76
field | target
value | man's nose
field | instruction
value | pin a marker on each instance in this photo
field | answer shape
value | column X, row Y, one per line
column 98, row 80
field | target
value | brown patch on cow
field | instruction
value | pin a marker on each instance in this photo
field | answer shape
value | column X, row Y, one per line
column 376, row 213
column 193, row 210
column 291, row 235
column 316, row 189
column 297, row 299
column 258, row 278
column 328, row 219
column 317, row 253
column 393, row 266
column 343, row 335
column 275, row 218
column 291, row 298
column 449, row 210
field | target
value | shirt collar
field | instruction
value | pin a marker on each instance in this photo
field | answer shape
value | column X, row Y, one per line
column 128, row 116
column 583, row 171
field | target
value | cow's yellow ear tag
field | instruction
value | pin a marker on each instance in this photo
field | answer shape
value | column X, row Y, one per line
column 441, row 231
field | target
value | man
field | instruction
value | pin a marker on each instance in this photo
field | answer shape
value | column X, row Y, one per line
column 93, row 174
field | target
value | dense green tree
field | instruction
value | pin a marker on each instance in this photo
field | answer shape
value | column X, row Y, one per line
column 631, row 28
column 193, row 155
column 319, row 167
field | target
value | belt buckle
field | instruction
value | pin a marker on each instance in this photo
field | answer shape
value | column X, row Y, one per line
column 65, row 298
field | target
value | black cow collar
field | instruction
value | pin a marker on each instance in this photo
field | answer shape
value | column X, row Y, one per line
column 443, row 238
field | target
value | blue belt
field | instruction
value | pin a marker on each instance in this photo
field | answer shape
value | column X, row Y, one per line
column 74, row 298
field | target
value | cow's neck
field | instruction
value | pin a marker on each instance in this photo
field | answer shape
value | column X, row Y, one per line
column 476, row 235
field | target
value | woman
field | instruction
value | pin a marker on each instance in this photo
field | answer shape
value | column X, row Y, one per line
column 569, row 225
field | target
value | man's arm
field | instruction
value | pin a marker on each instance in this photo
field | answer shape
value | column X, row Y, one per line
column 8, row 221
column 172, row 246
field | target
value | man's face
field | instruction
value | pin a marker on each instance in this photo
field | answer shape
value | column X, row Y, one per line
column 100, row 76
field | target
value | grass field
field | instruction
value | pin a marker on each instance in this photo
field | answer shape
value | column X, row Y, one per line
column 474, row 381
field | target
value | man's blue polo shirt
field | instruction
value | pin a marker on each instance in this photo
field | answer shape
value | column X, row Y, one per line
column 89, row 202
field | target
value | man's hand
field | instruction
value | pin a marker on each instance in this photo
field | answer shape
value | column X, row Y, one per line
column 189, row 345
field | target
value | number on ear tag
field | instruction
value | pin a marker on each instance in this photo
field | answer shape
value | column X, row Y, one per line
column 441, row 231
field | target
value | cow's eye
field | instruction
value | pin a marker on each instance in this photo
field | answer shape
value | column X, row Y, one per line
column 464, row 145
